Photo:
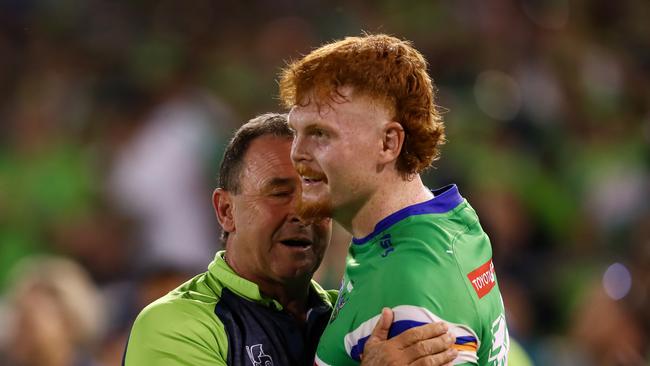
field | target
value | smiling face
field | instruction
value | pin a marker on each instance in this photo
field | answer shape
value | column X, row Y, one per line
column 337, row 151
column 268, row 243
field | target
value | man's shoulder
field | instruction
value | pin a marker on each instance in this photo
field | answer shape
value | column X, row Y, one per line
column 429, row 228
column 177, row 305
column 191, row 304
column 177, row 324
column 178, row 321
column 172, row 315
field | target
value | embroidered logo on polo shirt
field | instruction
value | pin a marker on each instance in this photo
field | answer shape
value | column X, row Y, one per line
column 257, row 356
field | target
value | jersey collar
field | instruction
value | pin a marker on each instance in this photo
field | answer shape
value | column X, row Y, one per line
column 225, row 276
column 445, row 199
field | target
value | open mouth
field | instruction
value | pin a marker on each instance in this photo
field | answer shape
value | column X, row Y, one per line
column 313, row 179
column 310, row 176
column 297, row 243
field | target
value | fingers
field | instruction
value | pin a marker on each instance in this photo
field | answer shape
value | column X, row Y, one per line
column 428, row 347
column 445, row 358
column 380, row 332
column 417, row 334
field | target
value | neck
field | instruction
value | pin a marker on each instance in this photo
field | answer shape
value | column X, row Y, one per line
column 293, row 299
column 292, row 295
column 393, row 195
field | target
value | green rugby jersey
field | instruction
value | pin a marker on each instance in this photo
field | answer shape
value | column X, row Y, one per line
column 219, row 318
column 428, row 262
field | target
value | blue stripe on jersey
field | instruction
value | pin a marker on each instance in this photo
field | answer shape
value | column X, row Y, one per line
column 396, row 329
column 406, row 317
column 445, row 199
column 357, row 349
column 464, row 340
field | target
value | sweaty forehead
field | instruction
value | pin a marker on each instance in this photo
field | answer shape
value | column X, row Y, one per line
column 267, row 162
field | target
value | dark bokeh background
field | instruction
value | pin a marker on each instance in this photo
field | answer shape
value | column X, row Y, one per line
column 113, row 116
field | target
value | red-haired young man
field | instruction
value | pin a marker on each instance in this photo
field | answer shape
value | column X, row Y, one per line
column 366, row 126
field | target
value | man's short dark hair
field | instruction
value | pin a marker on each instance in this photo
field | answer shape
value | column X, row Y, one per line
column 273, row 124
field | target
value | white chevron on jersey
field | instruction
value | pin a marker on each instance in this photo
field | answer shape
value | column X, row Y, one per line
column 406, row 317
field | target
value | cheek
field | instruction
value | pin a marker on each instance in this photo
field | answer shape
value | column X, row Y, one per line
column 324, row 232
column 269, row 217
column 253, row 221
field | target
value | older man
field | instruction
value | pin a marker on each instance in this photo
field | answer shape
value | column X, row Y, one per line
column 257, row 303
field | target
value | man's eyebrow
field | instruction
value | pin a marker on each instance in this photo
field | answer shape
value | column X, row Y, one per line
column 279, row 182
column 319, row 126
column 314, row 126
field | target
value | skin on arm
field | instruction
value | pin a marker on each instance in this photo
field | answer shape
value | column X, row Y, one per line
column 428, row 345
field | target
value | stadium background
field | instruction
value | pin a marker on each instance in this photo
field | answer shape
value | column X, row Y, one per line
column 113, row 116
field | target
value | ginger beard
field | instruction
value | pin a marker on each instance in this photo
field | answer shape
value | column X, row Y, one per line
column 314, row 201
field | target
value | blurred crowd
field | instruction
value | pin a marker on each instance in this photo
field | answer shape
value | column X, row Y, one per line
column 113, row 116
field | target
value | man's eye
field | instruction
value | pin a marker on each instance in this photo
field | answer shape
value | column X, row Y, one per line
column 281, row 194
column 318, row 133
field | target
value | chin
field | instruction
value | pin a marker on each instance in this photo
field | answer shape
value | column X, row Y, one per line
column 297, row 276
column 299, row 271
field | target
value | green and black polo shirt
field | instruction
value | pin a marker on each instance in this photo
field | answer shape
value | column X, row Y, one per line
column 219, row 318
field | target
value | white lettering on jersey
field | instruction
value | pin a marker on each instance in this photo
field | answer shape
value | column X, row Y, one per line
column 500, row 342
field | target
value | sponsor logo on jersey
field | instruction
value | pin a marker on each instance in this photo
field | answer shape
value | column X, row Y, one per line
column 483, row 278
column 386, row 244
column 257, row 356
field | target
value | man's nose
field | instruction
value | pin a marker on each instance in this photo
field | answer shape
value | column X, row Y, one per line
column 298, row 150
column 292, row 210
column 294, row 219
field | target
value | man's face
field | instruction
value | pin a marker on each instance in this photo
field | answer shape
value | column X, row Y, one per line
column 336, row 152
column 268, row 241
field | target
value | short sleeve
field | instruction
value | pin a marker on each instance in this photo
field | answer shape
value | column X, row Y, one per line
column 167, row 334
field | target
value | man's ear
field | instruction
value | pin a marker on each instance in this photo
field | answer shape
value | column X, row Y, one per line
column 222, row 202
column 392, row 141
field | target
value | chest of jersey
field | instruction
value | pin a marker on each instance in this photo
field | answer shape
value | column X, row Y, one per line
column 425, row 271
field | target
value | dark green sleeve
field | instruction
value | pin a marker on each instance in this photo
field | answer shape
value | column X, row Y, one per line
column 177, row 333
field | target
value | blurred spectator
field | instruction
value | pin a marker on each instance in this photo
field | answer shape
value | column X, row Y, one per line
column 158, row 176
column 55, row 312
column 126, row 302
column 597, row 319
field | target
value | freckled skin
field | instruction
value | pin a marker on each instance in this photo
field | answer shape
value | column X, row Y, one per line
column 264, row 214
column 346, row 151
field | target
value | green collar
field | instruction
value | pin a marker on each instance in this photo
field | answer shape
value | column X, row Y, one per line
column 221, row 275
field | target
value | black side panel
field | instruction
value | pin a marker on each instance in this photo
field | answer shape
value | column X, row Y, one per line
column 261, row 336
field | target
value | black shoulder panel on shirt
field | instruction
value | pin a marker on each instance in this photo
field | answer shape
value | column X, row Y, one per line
column 262, row 336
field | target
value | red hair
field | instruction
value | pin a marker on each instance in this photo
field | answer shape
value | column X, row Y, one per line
column 384, row 68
